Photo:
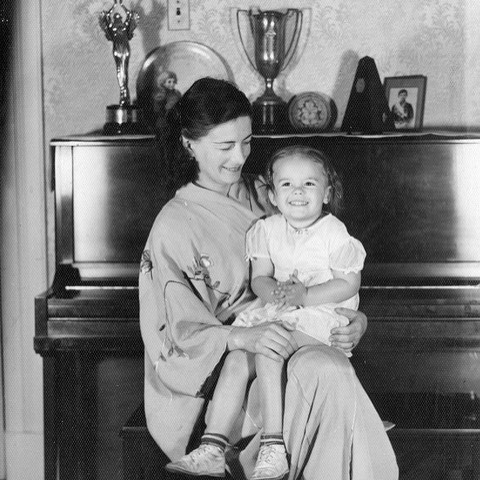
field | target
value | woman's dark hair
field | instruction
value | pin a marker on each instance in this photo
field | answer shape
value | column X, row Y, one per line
column 335, row 203
column 208, row 103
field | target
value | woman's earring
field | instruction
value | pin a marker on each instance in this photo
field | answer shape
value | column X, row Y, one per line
column 190, row 151
column 188, row 147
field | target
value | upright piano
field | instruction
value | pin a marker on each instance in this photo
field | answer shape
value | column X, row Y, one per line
column 413, row 200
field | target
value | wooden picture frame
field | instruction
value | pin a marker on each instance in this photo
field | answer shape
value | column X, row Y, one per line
column 406, row 101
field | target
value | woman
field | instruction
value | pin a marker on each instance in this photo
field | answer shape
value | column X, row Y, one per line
column 193, row 283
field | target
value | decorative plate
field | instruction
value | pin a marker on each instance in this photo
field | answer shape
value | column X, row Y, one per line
column 310, row 111
column 189, row 61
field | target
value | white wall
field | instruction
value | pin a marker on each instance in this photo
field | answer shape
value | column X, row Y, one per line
column 23, row 249
column 435, row 38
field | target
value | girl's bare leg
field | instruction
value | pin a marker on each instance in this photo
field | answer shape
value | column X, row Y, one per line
column 229, row 393
column 228, row 398
column 270, row 384
column 271, row 462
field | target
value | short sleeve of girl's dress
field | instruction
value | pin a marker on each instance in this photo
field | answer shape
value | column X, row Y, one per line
column 256, row 241
column 349, row 257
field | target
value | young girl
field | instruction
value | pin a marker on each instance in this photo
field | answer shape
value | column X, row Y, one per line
column 304, row 262
column 304, row 265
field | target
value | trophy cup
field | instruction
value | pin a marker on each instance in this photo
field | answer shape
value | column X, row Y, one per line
column 272, row 54
column 118, row 23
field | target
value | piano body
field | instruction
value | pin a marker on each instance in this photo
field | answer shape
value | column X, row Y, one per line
column 411, row 199
column 107, row 194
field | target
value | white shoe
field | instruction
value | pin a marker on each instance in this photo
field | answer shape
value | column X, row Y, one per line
column 271, row 463
column 204, row 460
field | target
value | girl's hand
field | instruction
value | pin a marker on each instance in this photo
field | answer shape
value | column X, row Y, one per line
column 278, row 295
column 274, row 340
column 347, row 337
column 295, row 291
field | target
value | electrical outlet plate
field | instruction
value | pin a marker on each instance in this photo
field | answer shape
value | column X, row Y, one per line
column 179, row 14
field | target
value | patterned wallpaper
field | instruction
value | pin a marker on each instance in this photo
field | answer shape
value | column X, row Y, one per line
column 435, row 38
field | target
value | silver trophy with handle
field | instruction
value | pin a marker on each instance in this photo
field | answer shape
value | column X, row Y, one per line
column 275, row 35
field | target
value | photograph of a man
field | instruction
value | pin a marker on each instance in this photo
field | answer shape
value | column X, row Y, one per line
column 402, row 110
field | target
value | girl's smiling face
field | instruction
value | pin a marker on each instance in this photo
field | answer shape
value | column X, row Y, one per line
column 300, row 189
column 222, row 153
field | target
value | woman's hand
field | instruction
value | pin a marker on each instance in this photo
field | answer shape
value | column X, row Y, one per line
column 347, row 337
column 273, row 339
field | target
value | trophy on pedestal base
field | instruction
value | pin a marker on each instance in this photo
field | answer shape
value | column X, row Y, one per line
column 272, row 53
column 122, row 120
column 118, row 23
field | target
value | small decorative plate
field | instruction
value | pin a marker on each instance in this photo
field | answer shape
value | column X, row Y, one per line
column 189, row 61
column 310, row 111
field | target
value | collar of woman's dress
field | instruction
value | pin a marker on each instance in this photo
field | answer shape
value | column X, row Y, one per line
column 198, row 193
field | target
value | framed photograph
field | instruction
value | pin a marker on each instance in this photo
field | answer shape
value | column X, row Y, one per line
column 406, row 100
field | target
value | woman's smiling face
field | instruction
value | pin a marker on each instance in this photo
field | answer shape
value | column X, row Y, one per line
column 300, row 189
column 222, row 153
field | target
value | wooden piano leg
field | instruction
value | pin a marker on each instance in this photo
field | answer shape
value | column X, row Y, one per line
column 50, row 416
column 76, row 420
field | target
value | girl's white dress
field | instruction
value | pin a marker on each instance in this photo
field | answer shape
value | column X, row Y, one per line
column 314, row 252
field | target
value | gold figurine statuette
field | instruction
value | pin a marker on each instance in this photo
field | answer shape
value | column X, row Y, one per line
column 118, row 24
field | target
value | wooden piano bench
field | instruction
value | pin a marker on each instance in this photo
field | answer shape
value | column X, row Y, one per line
column 142, row 458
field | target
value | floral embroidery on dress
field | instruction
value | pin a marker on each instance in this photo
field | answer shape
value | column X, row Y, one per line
column 170, row 347
column 174, row 349
column 200, row 270
column 146, row 265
